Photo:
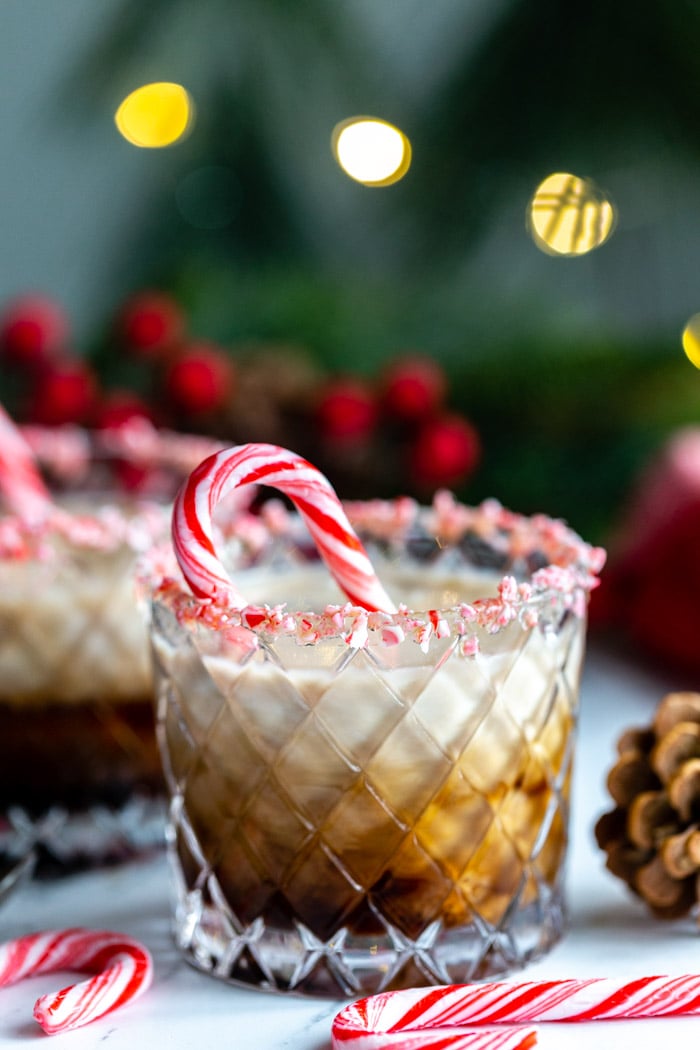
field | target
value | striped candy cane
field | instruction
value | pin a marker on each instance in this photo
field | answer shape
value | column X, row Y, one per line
column 21, row 483
column 122, row 967
column 450, row 1016
column 315, row 500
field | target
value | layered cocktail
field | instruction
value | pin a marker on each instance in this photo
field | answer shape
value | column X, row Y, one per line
column 76, row 695
column 363, row 799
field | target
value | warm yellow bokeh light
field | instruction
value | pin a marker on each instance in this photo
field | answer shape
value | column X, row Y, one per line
column 155, row 115
column 371, row 151
column 691, row 340
column 569, row 216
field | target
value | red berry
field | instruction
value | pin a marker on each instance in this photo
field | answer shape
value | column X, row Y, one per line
column 118, row 407
column 64, row 393
column 116, row 410
column 33, row 330
column 445, row 451
column 200, row 380
column 135, row 478
column 346, row 410
column 413, row 388
column 151, row 323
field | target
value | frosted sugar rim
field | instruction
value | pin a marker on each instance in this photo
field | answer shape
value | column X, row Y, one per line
column 566, row 572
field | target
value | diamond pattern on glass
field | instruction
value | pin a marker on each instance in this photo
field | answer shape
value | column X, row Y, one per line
column 355, row 821
column 76, row 657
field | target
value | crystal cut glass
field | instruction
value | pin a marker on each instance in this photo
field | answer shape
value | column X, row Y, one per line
column 349, row 818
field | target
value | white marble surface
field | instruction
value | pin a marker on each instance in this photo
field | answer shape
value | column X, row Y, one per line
column 610, row 935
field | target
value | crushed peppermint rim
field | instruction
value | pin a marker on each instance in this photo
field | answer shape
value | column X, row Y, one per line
column 68, row 451
column 109, row 527
column 97, row 519
column 549, row 571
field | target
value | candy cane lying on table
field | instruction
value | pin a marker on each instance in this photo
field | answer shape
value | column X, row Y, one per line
column 437, row 1018
column 122, row 967
column 21, row 483
column 313, row 497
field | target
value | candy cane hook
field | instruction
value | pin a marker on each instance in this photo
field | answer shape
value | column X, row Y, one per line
column 309, row 490
column 122, row 967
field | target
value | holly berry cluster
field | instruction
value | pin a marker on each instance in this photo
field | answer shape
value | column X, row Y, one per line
column 402, row 416
column 182, row 378
column 54, row 385
column 393, row 433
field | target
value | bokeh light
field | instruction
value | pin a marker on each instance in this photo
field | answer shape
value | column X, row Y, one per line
column 155, row 115
column 371, row 151
column 569, row 216
column 691, row 340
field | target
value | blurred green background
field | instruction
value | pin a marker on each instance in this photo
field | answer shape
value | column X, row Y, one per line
column 571, row 369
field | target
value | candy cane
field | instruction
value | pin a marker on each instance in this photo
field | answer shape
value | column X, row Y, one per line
column 428, row 1019
column 122, row 966
column 314, row 498
column 20, row 481
column 442, row 1039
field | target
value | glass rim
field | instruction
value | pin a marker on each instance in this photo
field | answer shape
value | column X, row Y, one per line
column 68, row 449
column 113, row 516
column 567, row 571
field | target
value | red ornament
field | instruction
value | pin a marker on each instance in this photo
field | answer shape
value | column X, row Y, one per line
column 346, row 410
column 445, row 452
column 649, row 593
column 663, row 615
column 65, row 392
column 413, row 388
column 151, row 323
column 200, row 380
column 33, row 330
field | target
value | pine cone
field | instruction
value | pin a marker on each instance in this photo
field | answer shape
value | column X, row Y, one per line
column 652, row 837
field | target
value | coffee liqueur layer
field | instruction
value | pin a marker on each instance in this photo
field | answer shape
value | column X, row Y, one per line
column 78, row 756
